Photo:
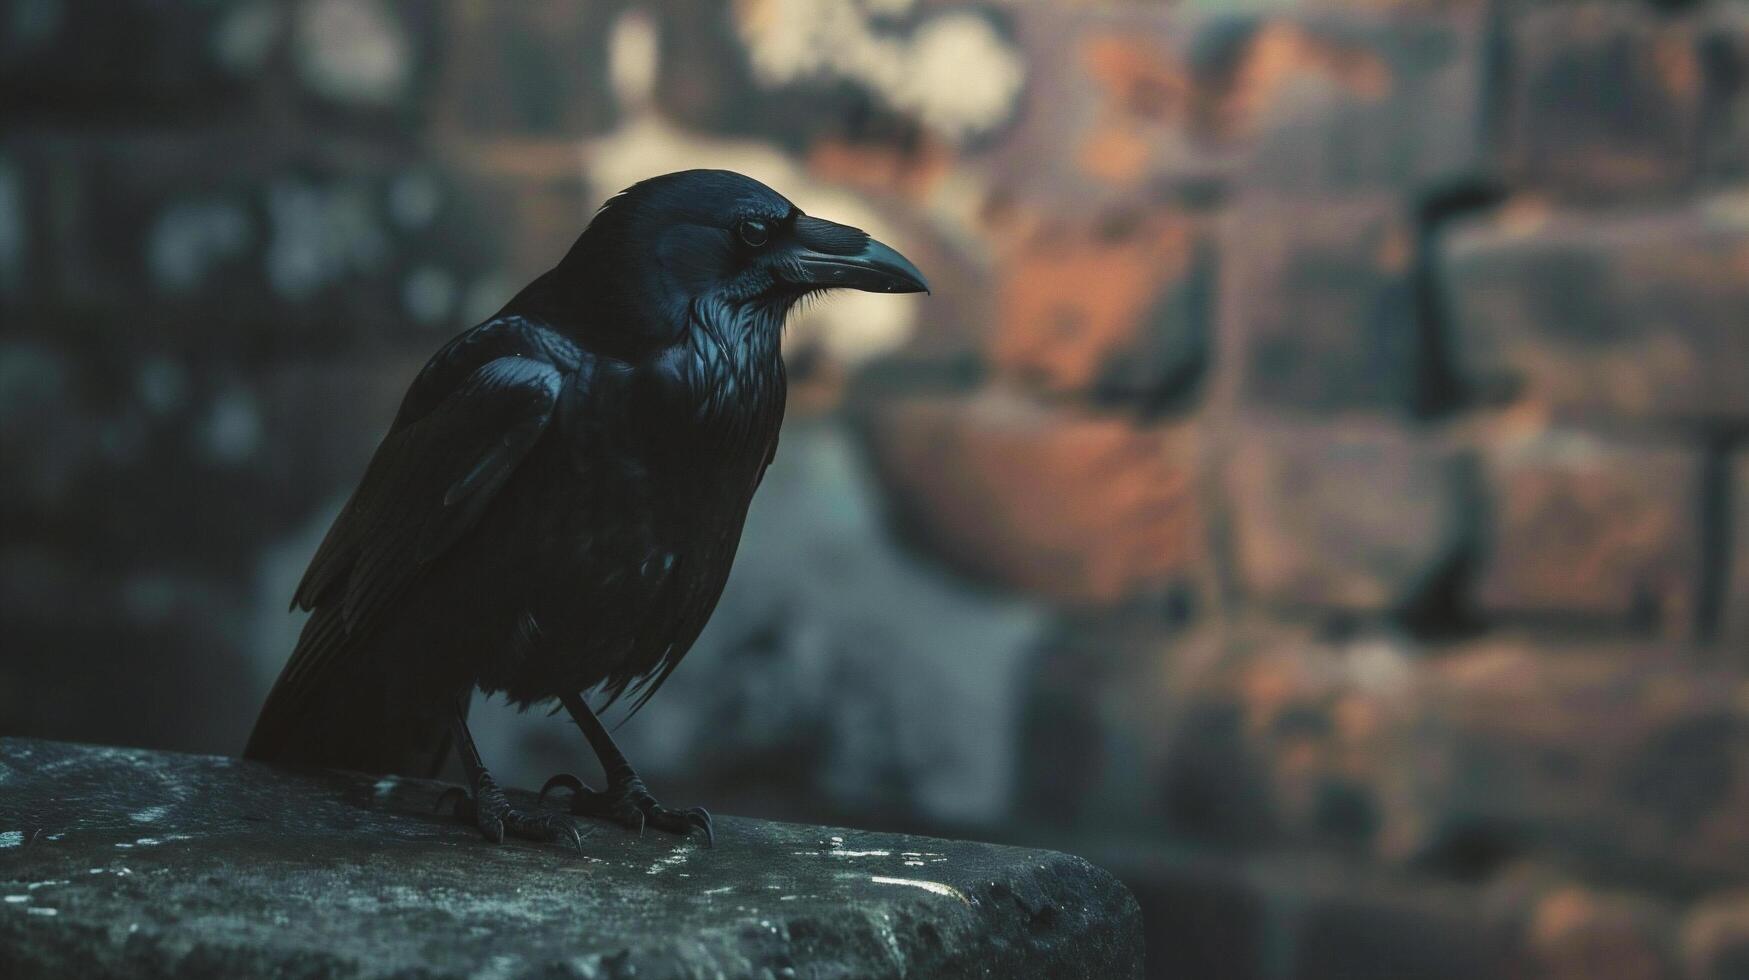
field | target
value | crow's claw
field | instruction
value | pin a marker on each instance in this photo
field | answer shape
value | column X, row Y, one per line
column 699, row 817
column 684, row 822
column 566, row 781
column 631, row 806
column 492, row 813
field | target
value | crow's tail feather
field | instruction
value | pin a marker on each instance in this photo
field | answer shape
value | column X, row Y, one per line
column 327, row 710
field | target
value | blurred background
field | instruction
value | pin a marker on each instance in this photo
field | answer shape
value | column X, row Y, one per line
column 1317, row 489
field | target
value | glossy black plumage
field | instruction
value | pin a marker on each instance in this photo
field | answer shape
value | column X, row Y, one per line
column 557, row 505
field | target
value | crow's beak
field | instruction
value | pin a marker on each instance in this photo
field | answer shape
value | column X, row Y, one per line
column 835, row 256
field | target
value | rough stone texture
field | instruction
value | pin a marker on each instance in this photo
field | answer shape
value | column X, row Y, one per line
column 1592, row 527
column 125, row 862
column 1360, row 516
column 1634, row 315
column 1083, row 509
column 1316, row 308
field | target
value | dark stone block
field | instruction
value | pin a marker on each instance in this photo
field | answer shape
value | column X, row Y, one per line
column 1358, row 515
column 1627, row 315
column 126, row 862
column 1317, row 306
column 1617, row 757
column 1587, row 527
column 1605, row 100
column 1354, row 100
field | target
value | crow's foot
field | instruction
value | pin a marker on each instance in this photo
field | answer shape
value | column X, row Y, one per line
column 629, row 804
column 492, row 813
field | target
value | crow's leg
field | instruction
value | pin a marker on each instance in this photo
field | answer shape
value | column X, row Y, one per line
column 487, row 808
column 626, row 800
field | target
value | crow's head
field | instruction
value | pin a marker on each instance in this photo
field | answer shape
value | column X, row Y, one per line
column 717, row 241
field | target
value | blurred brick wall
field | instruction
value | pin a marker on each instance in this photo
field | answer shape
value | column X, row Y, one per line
column 1318, row 487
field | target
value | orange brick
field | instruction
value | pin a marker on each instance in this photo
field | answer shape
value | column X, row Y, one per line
column 1087, row 510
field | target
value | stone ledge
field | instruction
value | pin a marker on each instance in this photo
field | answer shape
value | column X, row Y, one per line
column 132, row 862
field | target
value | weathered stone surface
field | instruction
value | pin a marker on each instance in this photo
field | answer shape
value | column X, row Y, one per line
column 1604, row 99
column 1592, row 527
column 1080, row 508
column 125, row 862
column 1316, row 309
column 1355, row 515
column 1625, row 315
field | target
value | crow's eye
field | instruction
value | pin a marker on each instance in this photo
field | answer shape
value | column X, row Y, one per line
column 754, row 232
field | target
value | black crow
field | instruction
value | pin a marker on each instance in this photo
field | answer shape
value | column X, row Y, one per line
column 555, row 508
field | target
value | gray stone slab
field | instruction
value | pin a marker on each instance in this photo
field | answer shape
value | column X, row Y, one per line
column 139, row 863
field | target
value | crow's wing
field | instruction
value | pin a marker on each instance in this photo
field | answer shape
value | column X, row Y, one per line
column 427, row 485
